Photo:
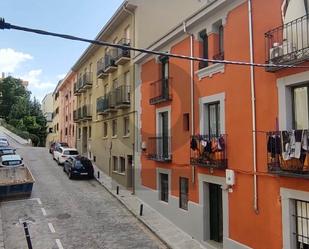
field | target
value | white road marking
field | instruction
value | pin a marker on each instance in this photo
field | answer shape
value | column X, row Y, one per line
column 43, row 211
column 51, row 227
column 39, row 201
column 58, row 242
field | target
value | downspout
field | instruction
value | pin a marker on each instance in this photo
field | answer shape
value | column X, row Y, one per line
column 134, row 113
column 252, row 83
column 191, row 87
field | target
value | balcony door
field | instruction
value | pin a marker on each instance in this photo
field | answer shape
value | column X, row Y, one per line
column 165, row 76
column 300, row 107
column 163, row 132
column 215, row 213
column 213, row 119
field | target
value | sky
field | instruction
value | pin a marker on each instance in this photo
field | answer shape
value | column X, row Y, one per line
column 44, row 60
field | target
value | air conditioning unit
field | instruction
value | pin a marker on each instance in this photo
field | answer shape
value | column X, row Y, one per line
column 279, row 50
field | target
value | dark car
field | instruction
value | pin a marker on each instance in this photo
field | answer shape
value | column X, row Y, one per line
column 55, row 145
column 78, row 167
column 7, row 150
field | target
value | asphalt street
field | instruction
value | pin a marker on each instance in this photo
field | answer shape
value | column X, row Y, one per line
column 64, row 214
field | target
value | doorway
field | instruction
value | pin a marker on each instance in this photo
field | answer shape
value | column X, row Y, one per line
column 85, row 141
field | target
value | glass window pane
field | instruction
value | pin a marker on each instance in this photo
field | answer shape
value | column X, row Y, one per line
column 301, row 108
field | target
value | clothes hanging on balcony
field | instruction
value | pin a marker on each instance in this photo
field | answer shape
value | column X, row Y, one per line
column 193, row 144
column 292, row 143
column 274, row 145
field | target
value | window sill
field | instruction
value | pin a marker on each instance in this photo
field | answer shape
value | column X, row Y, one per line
column 114, row 137
column 210, row 71
column 119, row 173
column 105, row 138
column 126, row 136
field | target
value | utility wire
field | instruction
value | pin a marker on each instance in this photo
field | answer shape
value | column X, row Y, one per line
column 5, row 25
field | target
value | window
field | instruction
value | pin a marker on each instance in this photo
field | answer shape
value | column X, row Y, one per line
column 79, row 133
column 73, row 130
column 115, row 163
column 186, row 121
column 114, row 128
column 50, row 130
column 115, row 84
column 126, row 126
column 122, row 165
column 183, row 192
column 164, row 187
column 66, row 132
column 213, row 119
column 221, row 39
column 90, row 130
column 164, row 67
column 204, row 52
column 301, row 224
column 105, row 129
column 300, row 108
column 57, row 127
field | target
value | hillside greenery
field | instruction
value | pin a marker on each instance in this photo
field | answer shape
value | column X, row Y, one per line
column 21, row 113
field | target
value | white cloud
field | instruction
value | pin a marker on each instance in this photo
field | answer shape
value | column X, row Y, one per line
column 11, row 59
column 35, row 82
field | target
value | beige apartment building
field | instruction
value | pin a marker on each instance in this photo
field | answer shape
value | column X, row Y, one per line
column 55, row 135
column 47, row 107
column 105, row 107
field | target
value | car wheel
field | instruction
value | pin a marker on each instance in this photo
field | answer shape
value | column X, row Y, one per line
column 64, row 169
column 58, row 162
column 70, row 175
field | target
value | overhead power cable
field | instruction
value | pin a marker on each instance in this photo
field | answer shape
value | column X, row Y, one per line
column 5, row 25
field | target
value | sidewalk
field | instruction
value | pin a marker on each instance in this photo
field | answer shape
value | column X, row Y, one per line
column 13, row 136
column 166, row 231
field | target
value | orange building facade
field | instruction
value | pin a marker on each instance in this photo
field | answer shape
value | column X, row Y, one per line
column 224, row 147
column 67, row 126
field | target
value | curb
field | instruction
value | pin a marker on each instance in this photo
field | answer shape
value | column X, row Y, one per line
column 7, row 133
column 136, row 216
column 1, row 232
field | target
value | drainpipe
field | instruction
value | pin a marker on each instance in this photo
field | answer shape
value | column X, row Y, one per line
column 133, row 100
column 191, row 86
column 252, row 83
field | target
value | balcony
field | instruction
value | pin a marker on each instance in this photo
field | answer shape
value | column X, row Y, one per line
column 208, row 151
column 86, row 112
column 123, row 97
column 160, row 91
column 76, row 92
column 111, row 102
column 102, row 105
column 87, row 80
column 100, row 69
column 288, row 44
column 79, row 114
column 75, row 116
column 283, row 157
column 109, row 61
column 123, row 55
column 80, row 88
column 159, row 149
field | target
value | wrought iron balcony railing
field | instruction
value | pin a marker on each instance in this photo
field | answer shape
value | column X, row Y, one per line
column 86, row 112
column 102, row 105
column 288, row 44
column 76, row 89
column 100, row 68
column 288, row 153
column 123, row 54
column 160, row 91
column 123, row 96
column 79, row 113
column 208, row 151
column 87, row 80
column 109, row 61
column 159, row 149
column 75, row 116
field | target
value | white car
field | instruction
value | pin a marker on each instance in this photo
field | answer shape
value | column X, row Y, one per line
column 61, row 154
column 11, row 161
column 4, row 141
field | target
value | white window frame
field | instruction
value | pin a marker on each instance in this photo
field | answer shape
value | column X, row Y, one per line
column 285, row 98
column 288, row 222
column 203, row 102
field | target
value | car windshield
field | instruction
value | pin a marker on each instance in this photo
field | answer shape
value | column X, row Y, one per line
column 11, row 162
column 83, row 164
column 70, row 152
column 7, row 152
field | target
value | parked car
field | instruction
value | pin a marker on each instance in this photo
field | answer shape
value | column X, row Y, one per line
column 55, row 145
column 7, row 150
column 78, row 167
column 11, row 161
column 62, row 153
column 4, row 141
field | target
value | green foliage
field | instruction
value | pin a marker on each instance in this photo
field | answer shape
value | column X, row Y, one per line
column 23, row 115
